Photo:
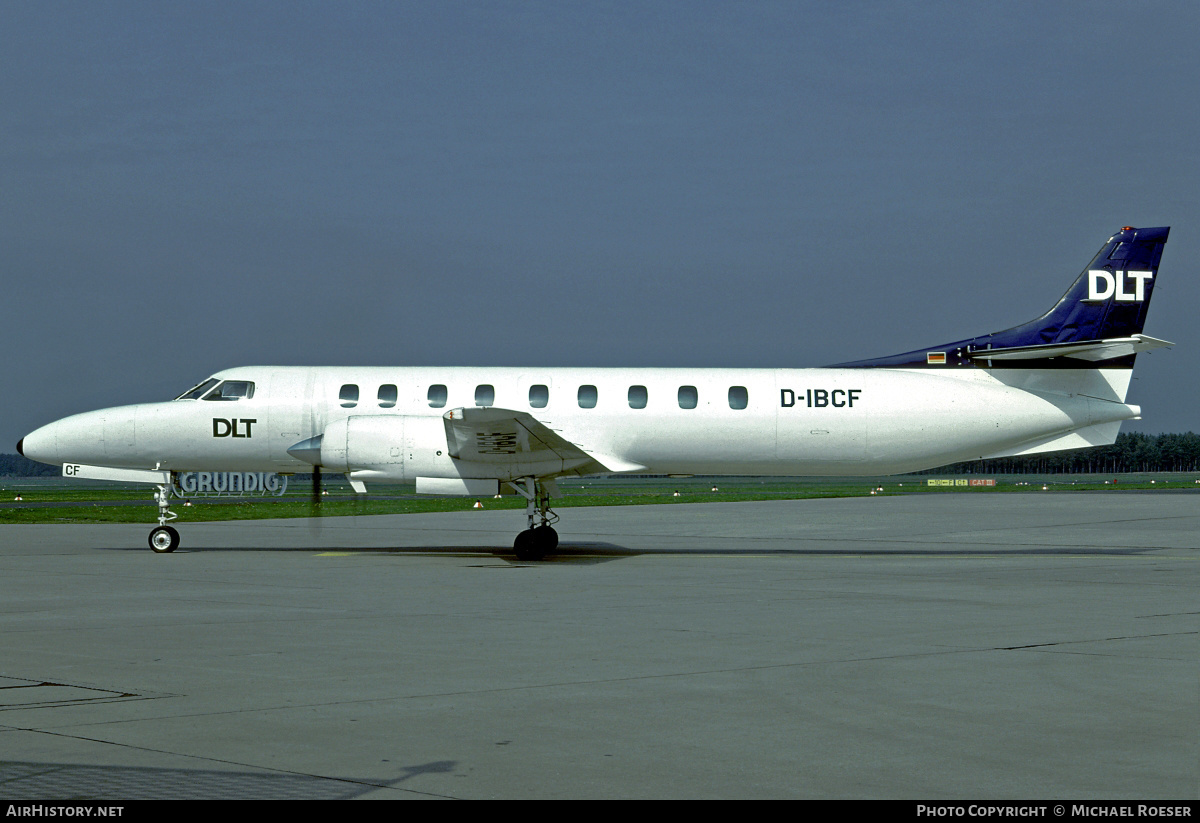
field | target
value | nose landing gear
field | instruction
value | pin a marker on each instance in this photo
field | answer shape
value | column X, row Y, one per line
column 164, row 538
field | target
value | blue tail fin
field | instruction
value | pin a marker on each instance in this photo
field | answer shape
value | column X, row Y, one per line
column 1099, row 319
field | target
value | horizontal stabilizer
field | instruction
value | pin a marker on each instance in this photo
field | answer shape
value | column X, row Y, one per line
column 1092, row 350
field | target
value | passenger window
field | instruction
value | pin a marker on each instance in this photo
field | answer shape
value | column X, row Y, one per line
column 739, row 398
column 688, row 397
column 387, row 396
column 539, row 396
column 437, row 395
column 231, row 390
column 587, row 397
column 485, row 395
column 349, row 396
column 637, row 397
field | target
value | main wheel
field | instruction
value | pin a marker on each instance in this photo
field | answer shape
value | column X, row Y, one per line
column 525, row 547
column 547, row 537
column 164, row 539
column 534, row 544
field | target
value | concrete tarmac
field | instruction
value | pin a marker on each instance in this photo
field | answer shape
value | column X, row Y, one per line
column 942, row 646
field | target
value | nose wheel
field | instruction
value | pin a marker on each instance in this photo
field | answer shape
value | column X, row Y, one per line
column 164, row 539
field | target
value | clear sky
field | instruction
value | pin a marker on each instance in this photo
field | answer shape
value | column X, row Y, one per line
column 186, row 187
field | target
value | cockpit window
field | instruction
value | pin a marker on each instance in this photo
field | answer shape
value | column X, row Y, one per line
column 231, row 390
column 195, row 392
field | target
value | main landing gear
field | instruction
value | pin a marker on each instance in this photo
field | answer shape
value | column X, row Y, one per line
column 164, row 538
column 540, row 538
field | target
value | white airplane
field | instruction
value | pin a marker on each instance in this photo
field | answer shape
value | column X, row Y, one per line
column 1057, row 382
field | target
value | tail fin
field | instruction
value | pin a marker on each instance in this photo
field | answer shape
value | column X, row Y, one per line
column 1098, row 320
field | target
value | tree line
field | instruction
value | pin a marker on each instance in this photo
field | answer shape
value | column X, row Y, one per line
column 1133, row 452
column 14, row 465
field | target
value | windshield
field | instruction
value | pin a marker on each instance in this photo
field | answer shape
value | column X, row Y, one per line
column 231, row 390
column 195, row 392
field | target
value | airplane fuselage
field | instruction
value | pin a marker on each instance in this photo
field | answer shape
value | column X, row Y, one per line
column 839, row 421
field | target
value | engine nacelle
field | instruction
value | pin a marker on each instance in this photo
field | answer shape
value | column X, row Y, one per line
column 398, row 447
column 406, row 448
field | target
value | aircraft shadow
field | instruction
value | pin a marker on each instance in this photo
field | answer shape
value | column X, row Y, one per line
column 585, row 553
column 578, row 553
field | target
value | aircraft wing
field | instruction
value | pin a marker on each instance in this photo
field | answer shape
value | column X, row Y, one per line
column 507, row 438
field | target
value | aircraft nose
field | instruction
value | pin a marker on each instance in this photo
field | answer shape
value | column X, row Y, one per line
column 40, row 445
column 105, row 437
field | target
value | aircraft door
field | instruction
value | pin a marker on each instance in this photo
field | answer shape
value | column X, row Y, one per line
column 292, row 414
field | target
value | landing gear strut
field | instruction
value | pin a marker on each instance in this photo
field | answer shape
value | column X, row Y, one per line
column 164, row 538
column 540, row 538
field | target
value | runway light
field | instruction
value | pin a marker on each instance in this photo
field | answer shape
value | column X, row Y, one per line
column 477, row 505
